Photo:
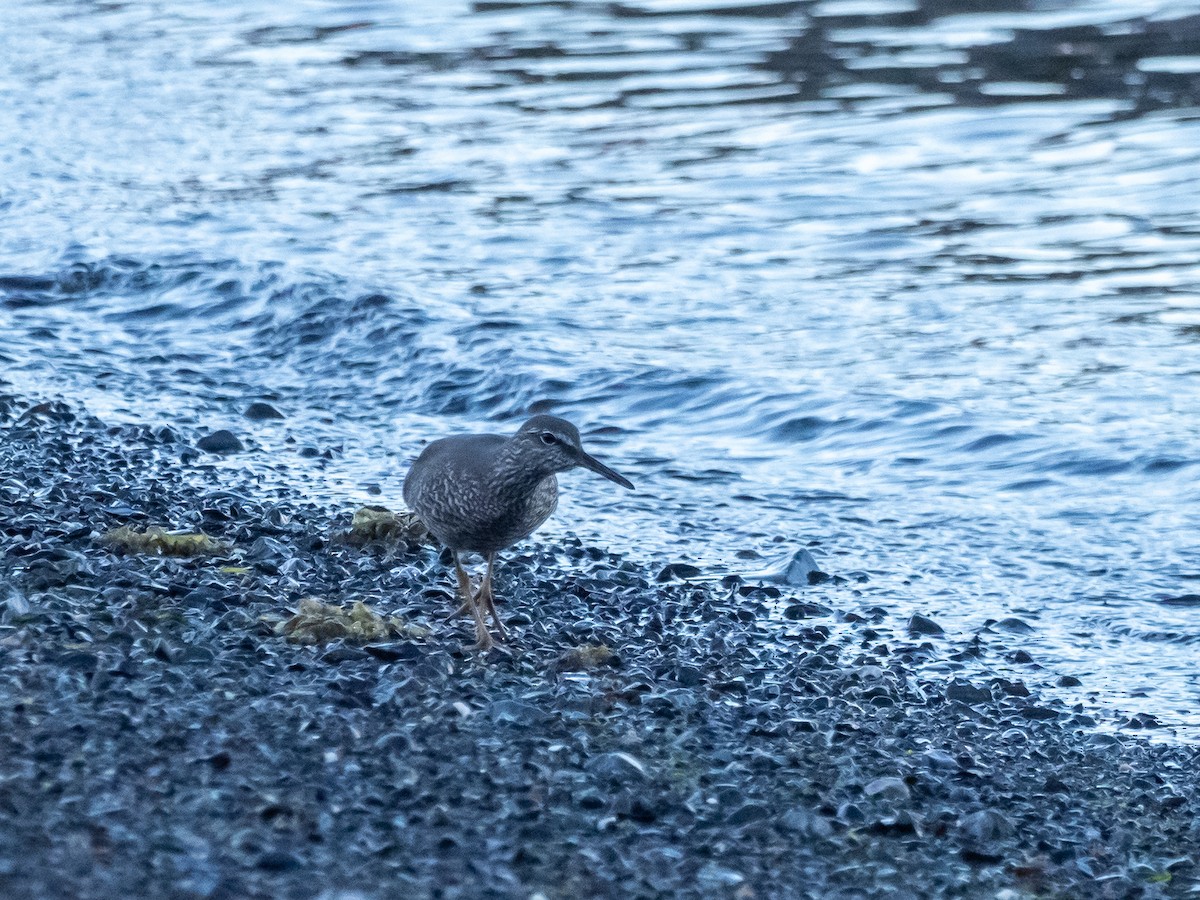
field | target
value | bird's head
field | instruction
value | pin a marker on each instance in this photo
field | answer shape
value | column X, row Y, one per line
column 554, row 445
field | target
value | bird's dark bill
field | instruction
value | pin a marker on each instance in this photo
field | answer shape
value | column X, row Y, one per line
column 590, row 462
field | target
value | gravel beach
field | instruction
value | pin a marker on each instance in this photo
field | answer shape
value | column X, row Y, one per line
column 164, row 736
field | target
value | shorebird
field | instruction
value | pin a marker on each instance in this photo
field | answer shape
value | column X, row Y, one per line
column 482, row 493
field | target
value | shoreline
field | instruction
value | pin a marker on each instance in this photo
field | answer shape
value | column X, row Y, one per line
column 160, row 738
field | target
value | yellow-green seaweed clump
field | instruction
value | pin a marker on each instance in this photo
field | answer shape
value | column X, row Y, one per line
column 378, row 524
column 587, row 658
column 156, row 541
column 319, row 623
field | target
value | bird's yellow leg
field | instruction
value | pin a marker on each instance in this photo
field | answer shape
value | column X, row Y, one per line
column 464, row 588
column 483, row 638
column 486, row 595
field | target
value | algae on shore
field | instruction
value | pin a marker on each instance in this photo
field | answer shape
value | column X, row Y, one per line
column 319, row 623
column 156, row 541
column 373, row 524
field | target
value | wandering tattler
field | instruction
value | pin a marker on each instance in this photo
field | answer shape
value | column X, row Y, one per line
column 482, row 493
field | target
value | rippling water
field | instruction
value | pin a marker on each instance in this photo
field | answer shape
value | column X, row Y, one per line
column 920, row 286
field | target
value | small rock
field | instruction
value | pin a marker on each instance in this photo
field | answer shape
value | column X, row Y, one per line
column 940, row 759
column 714, row 877
column 985, row 826
column 1039, row 713
column 278, row 861
column 747, row 814
column 1012, row 688
column 516, row 712
column 804, row 822
column 617, row 766
column 677, row 571
column 965, row 692
column 1014, row 625
column 259, row 411
column 890, row 788
column 223, row 441
column 409, row 652
column 795, row 569
column 1143, row 720
column 797, row 611
column 919, row 624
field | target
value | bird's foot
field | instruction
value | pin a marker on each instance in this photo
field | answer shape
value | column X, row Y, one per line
column 484, row 641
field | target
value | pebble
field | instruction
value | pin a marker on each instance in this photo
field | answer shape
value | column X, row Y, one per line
column 259, row 411
column 919, row 624
column 222, row 441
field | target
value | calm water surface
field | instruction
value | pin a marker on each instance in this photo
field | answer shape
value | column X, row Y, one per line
column 918, row 285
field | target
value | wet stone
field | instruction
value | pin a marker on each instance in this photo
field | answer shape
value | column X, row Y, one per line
column 516, row 712
column 796, row 568
column 221, row 441
column 259, row 411
column 617, row 767
column 747, row 814
column 805, row 822
column 965, row 692
column 796, row 611
column 677, row 571
column 888, row 788
column 1039, row 713
column 919, row 624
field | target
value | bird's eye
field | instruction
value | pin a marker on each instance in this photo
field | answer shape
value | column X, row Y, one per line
column 548, row 438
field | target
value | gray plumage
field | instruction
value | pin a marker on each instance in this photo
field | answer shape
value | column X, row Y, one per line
column 485, row 492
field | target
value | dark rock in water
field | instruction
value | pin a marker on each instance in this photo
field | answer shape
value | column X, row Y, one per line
column 222, row 441
column 1014, row 625
column 1143, row 720
column 1039, row 713
column 796, row 611
column 1069, row 681
column 1011, row 688
column 259, row 411
column 680, row 571
column 919, row 624
column 798, row 568
column 965, row 692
